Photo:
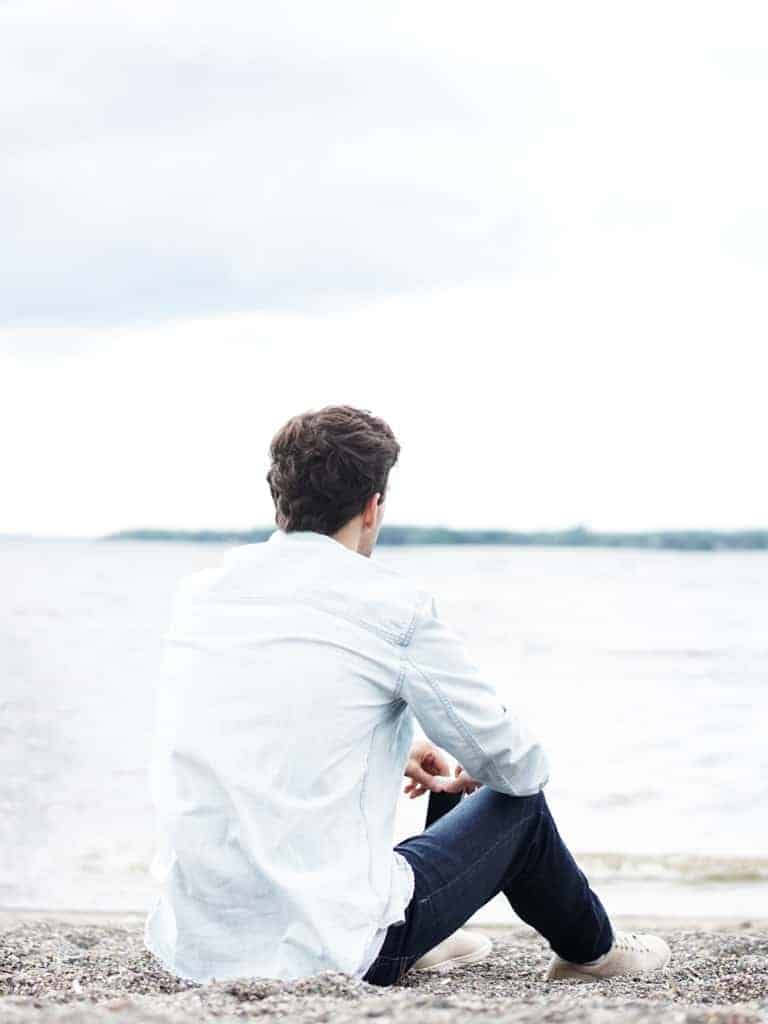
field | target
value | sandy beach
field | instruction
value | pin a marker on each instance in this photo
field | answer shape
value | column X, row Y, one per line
column 82, row 967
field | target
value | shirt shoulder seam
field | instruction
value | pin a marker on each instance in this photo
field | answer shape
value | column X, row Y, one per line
column 381, row 631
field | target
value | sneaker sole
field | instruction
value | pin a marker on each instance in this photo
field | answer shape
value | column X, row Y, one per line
column 460, row 961
column 563, row 972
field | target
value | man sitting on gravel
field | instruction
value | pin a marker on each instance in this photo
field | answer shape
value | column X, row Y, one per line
column 293, row 676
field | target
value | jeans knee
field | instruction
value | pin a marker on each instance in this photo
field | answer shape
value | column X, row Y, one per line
column 539, row 802
column 536, row 812
column 533, row 802
column 521, row 808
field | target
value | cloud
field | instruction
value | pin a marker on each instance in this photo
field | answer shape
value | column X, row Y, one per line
column 168, row 159
column 154, row 171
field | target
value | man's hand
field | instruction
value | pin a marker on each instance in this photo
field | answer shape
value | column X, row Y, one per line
column 462, row 782
column 429, row 770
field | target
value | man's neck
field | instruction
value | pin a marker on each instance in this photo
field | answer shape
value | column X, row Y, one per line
column 349, row 536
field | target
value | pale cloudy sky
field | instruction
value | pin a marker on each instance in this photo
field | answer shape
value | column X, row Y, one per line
column 533, row 237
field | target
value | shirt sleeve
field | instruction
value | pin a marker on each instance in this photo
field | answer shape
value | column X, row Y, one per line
column 459, row 709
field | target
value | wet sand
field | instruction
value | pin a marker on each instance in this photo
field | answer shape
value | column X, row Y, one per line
column 87, row 967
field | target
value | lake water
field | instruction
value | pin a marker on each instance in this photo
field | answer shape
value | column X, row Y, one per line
column 645, row 675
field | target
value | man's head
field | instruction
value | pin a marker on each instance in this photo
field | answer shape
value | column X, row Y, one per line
column 329, row 473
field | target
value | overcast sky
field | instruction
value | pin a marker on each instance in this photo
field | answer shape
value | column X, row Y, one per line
column 533, row 237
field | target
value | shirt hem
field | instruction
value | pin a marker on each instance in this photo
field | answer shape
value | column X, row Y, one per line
column 370, row 957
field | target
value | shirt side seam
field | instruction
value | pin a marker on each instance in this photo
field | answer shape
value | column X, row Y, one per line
column 400, row 679
column 363, row 815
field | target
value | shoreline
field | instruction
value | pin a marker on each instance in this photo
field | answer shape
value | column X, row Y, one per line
column 89, row 967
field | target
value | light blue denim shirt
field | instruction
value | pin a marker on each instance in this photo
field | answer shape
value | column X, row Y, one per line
column 290, row 679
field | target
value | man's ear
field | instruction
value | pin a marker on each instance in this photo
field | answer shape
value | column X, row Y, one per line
column 371, row 507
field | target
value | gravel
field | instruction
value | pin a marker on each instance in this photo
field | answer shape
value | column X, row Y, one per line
column 82, row 970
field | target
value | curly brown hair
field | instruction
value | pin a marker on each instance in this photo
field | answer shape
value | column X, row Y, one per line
column 326, row 464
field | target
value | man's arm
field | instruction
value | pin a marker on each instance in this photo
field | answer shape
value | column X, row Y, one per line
column 459, row 709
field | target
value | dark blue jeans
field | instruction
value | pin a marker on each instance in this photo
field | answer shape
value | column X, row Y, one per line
column 489, row 843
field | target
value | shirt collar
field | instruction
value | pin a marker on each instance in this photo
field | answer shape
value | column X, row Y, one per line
column 305, row 537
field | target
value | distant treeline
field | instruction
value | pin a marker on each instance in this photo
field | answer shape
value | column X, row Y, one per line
column 670, row 540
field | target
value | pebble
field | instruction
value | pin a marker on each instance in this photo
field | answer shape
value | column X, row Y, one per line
column 52, row 970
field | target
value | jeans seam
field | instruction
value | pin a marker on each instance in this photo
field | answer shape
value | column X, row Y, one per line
column 475, row 863
column 405, row 966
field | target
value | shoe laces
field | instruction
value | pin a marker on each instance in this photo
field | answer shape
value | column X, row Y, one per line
column 631, row 941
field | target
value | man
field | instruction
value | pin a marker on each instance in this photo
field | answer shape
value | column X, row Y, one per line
column 293, row 678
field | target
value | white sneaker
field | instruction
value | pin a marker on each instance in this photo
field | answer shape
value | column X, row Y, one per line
column 630, row 954
column 463, row 947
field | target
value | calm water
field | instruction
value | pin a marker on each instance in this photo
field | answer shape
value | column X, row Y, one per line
column 644, row 673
